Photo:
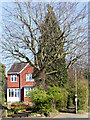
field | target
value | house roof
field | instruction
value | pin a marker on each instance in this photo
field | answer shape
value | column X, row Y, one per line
column 16, row 68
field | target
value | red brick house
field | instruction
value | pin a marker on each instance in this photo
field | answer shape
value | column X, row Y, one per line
column 19, row 82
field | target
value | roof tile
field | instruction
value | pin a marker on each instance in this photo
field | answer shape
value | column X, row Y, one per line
column 16, row 67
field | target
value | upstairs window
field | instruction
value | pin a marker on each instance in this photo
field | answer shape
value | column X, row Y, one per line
column 28, row 77
column 13, row 78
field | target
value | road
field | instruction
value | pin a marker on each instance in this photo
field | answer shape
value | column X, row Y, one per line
column 71, row 115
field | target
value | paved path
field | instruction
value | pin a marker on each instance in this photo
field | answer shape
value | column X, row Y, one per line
column 71, row 115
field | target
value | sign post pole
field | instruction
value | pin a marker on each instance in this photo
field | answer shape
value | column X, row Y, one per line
column 75, row 91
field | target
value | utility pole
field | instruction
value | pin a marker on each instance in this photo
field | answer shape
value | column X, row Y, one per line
column 76, row 91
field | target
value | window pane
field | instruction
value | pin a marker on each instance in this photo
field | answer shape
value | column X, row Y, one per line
column 9, row 92
column 12, row 93
column 28, row 77
column 15, row 78
column 11, row 77
column 18, row 92
column 15, row 92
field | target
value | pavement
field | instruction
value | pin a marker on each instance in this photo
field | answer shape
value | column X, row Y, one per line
column 71, row 115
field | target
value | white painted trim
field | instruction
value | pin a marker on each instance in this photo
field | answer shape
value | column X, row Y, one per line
column 24, row 67
column 13, row 78
column 12, row 73
column 31, row 80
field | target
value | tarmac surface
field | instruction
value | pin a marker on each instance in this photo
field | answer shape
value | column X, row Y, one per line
column 71, row 115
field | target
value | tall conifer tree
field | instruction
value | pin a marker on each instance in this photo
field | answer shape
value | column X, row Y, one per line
column 52, row 38
column 2, row 83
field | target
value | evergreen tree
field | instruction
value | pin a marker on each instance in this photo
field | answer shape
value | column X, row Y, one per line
column 2, row 83
column 52, row 38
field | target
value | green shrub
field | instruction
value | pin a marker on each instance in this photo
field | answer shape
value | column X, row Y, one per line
column 82, row 95
column 11, row 110
column 16, row 110
column 47, row 114
column 44, row 100
column 70, row 101
column 9, row 114
column 86, row 109
column 41, row 100
column 80, row 111
column 29, row 108
column 55, row 111
column 32, row 113
column 23, row 110
column 59, row 95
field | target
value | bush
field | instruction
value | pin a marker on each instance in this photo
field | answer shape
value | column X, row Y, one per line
column 80, row 111
column 70, row 101
column 44, row 100
column 41, row 100
column 47, row 114
column 59, row 95
column 82, row 93
column 23, row 110
column 16, row 110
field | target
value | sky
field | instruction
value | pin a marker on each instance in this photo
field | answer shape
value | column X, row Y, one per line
column 5, row 2
column 45, row 0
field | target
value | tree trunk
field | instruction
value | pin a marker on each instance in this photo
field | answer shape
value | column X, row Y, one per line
column 40, row 78
column 43, row 77
column 53, row 105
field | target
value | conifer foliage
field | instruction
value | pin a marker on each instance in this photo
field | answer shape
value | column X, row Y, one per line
column 2, row 83
column 51, row 39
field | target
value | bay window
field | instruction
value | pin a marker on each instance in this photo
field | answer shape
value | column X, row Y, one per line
column 14, row 92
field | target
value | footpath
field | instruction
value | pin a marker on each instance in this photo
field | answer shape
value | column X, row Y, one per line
column 71, row 115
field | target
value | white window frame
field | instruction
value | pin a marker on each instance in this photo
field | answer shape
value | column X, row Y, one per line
column 27, row 91
column 16, row 92
column 28, row 77
column 14, row 77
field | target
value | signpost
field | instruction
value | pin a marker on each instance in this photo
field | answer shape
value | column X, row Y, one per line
column 75, row 91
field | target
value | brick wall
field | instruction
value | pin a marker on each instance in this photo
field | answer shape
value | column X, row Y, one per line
column 27, row 70
column 27, row 99
column 12, row 84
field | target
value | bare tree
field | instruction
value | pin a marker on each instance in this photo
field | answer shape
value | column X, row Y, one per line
column 22, row 30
